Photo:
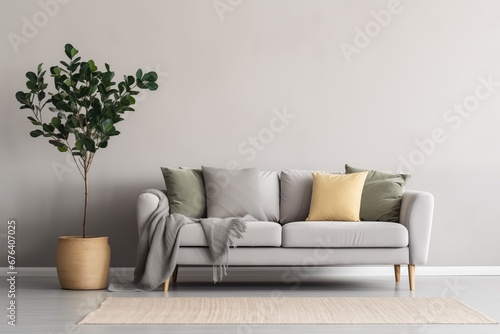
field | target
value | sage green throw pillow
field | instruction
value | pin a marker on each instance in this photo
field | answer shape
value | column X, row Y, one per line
column 185, row 191
column 382, row 194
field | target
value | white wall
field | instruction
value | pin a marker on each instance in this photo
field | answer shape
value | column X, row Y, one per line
column 221, row 81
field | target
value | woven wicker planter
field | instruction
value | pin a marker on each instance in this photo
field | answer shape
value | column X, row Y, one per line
column 83, row 263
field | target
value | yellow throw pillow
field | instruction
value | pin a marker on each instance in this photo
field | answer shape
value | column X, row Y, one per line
column 336, row 196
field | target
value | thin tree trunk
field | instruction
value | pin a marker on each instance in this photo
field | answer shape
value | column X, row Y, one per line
column 85, row 171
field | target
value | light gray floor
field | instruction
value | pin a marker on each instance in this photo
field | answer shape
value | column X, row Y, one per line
column 44, row 308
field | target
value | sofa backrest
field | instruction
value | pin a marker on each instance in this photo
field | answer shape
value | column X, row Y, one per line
column 270, row 193
column 296, row 192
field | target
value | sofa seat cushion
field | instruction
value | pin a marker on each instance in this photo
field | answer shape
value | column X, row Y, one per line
column 258, row 234
column 344, row 234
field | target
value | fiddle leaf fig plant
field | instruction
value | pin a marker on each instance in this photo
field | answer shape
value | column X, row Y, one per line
column 83, row 107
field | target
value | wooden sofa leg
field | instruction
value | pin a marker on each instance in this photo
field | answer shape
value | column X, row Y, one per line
column 174, row 274
column 173, row 277
column 411, row 276
column 397, row 272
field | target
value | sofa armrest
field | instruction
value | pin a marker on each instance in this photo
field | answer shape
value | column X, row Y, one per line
column 147, row 203
column 416, row 214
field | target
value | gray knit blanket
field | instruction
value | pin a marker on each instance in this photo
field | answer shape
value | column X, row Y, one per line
column 159, row 245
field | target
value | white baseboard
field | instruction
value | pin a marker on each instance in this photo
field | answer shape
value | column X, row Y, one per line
column 275, row 271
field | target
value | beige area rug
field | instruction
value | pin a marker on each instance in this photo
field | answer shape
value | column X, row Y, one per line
column 289, row 310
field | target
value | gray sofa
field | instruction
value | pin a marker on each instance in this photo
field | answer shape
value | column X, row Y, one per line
column 287, row 239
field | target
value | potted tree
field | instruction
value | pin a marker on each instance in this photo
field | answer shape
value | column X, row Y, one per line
column 84, row 106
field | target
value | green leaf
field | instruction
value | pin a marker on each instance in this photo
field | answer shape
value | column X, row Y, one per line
column 89, row 144
column 92, row 90
column 130, row 99
column 36, row 133
column 106, row 78
column 107, row 125
column 55, row 70
column 67, row 49
column 41, row 75
column 56, row 143
column 56, row 122
column 63, row 148
column 39, row 68
column 152, row 86
column 48, row 128
column 31, row 85
column 70, row 50
column 83, row 71
column 130, row 80
column 83, row 91
column 92, row 66
column 138, row 74
column 121, row 87
column 124, row 102
column 61, row 105
column 34, row 121
column 61, row 115
column 79, row 144
column 73, row 121
column 41, row 95
column 153, row 76
column 32, row 77
column 22, row 97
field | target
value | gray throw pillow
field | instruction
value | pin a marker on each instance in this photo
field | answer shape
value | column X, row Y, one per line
column 296, row 193
column 270, row 193
column 382, row 194
column 233, row 193
column 185, row 191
